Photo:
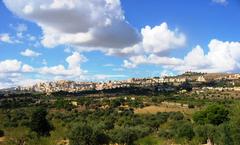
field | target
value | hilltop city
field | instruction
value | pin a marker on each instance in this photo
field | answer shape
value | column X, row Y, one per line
column 190, row 77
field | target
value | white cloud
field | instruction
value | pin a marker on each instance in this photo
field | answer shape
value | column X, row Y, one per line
column 166, row 73
column 54, row 70
column 75, row 60
column 5, row 38
column 73, row 71
column 128, row 64
column 30, row 53
column 27, row 68
column 13, row 80
column 7, row 66
column 108, row 65
column 160, row 39
column 94, row 23
column 221, row 57
column 223, row 2
column 134, row 61
column 104, row 77
column 157, row 40
column 9, row 71
column 12, row 72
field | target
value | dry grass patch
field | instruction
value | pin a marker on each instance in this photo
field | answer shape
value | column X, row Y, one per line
column 155, row 109
column 2, row 139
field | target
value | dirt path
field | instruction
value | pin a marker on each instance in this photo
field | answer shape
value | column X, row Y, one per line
column 2, row 139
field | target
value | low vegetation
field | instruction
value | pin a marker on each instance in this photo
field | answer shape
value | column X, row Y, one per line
column 167, row 118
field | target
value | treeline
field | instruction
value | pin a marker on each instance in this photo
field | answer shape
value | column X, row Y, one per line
column 216, row 123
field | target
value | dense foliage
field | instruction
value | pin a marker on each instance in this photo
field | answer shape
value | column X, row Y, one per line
column 213, row 114
column 51, row 120
column 39, row 123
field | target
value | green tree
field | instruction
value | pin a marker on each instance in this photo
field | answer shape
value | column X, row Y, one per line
column 213, row 114
column 81, row 135
column 86, row 135
column 39, row 123
column 176, row 116
column 224, row 135
column 101, row 138
column 185, row 131
column 235, row 122
column 205, row 132
column 125, row 136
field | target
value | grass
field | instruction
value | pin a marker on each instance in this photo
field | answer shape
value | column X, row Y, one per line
column 150, row 140
column 155, row 109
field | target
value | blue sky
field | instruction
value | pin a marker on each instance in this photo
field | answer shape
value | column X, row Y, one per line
column 98, row 40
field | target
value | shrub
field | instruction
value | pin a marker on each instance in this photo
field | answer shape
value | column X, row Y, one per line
column 86, row 135
column 168, row 134
column 81, row 135
column 213, row 114
column 185, row 131
column 176, row 116
column 39, row 123
column 124, row 136
column 205, row 132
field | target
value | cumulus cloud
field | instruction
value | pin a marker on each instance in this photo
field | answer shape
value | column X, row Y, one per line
column 94, row 23
column 27, row 68
column 73, row 70
column 160, row 38
column 134, row 61
column 221, row 57
column 157, row 40
column 12, row 71
column 10, row 66
column 75, row 60
column 9, row 71
column 6, row 38
column 17, row 79
column 30, row 53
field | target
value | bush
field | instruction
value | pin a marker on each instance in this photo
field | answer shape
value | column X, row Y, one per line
column 124, row 136
column 86, row 135
column 81, row 135
column 39, row 123
column 1, row 133
column 185, row 131
column 205, row 132
column 162, row 117
column 168, row 134
column 224, row 135
column 176, row 116
column 213, row 114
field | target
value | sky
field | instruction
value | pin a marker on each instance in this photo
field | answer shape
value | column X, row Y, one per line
column 100, row 40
